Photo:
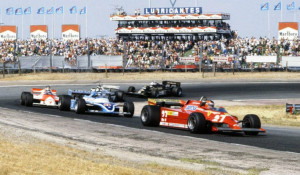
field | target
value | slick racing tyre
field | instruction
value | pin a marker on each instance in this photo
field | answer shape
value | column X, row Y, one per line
column 131, row 89
column 128, row 107
column 23, row 96
column 150, row 115
column 80, row 106
column 251, row 121
column 177, row 91
column 197, row 123
column 154, row 93
column 119, row 96
column 28, row 99
column 64, row 103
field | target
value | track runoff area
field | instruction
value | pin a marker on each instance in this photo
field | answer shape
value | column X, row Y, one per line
column 283, row 139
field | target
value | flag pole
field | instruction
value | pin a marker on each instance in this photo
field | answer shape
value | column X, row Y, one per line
column 22, row 23
column 76, row 16
column 53, row 25
column 281, row 9
column 295, row 19
column 45, row 15
column 269, row 34
column 86, row 23
column 63, row 16
column 31, row 16
column 1, row 16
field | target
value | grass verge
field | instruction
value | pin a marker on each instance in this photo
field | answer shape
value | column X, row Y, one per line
column 269, row 114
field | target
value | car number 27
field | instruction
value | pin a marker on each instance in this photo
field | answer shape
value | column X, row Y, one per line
column 219, row 118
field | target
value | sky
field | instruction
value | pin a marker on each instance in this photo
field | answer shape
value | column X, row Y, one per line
column 246, row 16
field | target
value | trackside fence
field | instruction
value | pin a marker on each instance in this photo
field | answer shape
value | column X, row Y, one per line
column 122, row 63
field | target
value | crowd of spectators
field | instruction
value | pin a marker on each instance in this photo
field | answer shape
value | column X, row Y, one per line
column 175, row 23
column 149, row 53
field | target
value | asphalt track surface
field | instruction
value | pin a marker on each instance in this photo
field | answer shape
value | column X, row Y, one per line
column 276, row 138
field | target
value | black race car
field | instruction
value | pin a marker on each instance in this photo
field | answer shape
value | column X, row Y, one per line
column 154, row 90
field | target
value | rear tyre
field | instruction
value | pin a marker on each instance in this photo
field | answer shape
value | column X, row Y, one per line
column 131, row 89
column 80, row 106
column 197, row 123
column 119, row 96
column 154, row 93
column 150, row 115
column 23, row 96
column 28, row 99
column 251, row 121
column 64, row 103
column 177, row 91
column 128, row 107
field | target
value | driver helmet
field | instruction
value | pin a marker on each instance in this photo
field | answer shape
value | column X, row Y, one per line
column 93, row 93
column 153, row 83
column 47, row 88
column 209, row 104
column 98, row 88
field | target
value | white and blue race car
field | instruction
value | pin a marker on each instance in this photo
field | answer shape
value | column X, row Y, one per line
column 94, row 102
column 113, row 92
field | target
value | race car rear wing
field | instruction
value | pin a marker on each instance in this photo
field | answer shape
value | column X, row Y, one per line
column 165, row 102
column 110, row 87
column 78, row 92
column 37, row 90
column 177, row 84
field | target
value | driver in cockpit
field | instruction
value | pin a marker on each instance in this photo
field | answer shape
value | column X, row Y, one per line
column 47, row 90
column 94, row 93
column 209, row 104
column 154, row 83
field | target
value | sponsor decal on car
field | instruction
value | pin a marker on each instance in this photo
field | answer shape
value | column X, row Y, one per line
column 107, row 104
column 190, row 107
column 165, row 113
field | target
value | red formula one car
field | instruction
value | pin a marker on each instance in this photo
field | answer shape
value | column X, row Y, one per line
column 43, row 97
column 197, row 116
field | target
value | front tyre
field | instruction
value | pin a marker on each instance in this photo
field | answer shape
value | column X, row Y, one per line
column 80, row 106
column 177, row 91
column 131, row 89
column 119, row 96
column 64, row 103
column 150, row 115
column 23, row 96
column 251, row 121
column 28, row 99
column 197, row 123
column 128, row 107
column 154, row 93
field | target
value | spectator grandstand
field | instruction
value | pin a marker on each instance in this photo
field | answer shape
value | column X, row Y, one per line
column 147, row 54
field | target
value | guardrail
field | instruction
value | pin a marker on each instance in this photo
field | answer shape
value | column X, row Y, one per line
column 101, row 63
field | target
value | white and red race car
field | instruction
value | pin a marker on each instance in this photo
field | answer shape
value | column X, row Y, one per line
column 43, row 97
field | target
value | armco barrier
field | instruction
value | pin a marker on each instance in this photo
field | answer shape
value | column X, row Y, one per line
column 115, row 63
column 292, row 63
